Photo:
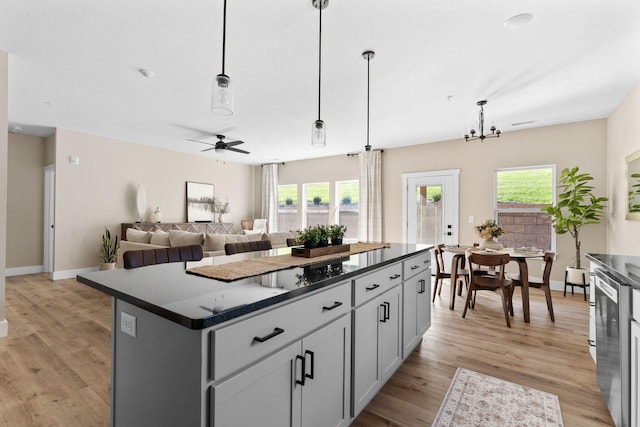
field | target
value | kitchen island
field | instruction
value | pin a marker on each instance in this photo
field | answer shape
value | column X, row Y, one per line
column 300, row 346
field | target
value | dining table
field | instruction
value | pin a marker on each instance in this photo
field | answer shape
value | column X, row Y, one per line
column 520, row 256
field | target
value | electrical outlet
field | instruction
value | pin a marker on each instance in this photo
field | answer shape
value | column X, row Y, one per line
column 128, row 323
column 470, row 219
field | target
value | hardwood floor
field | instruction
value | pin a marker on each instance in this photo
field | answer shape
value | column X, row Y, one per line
column 54, row 365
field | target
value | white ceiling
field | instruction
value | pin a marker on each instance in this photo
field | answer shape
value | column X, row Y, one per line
column 74, row 65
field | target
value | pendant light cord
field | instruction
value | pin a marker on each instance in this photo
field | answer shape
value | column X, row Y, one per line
column 319, row 56
column 368, row 82
column 224, row 33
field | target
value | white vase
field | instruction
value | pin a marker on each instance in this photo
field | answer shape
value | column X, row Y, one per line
column 490, row 244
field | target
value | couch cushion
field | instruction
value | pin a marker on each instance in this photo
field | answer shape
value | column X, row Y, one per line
column 138, row 236
column 185, row 238
column 160, row 237
column 216, row 242
column 279, row 239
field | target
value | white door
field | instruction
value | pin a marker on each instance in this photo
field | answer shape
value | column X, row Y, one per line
column 49, row 197
column 430, row 207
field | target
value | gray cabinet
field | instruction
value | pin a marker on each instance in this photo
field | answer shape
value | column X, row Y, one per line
column 635, row 360
column 416, row 302
column 377, row 345
column 304, row 384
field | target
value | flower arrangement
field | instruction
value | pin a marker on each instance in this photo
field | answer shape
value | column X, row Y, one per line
column 220, row 206
column 489, row 230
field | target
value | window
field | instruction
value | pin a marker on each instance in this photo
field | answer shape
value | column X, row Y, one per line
column 429, row 214
column 287, row 207
column 347, row 214
column 520, row 193
column 316, row 206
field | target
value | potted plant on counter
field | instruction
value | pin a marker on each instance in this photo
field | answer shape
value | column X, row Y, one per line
column 221, row 208
column 336, row 233
column 310, row 237
column 108, row 251
column 577, row 207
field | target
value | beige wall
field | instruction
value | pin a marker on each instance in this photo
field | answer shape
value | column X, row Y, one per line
column 622, row 140
column 582, row 144
column 101, row 190
column 4, row 130
column 25, row 197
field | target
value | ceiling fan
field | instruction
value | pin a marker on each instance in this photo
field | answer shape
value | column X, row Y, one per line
column 220, row 145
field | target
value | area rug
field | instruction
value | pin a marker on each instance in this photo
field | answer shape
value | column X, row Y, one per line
column 253, row 267
column 475, row 399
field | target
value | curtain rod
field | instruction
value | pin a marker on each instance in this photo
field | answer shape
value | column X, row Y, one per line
column 266, row 164
column 355, row 154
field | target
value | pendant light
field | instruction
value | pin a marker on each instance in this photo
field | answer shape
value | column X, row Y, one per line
column 368, row 55
column 222, row 93
column 319, row 128
column 495, row 133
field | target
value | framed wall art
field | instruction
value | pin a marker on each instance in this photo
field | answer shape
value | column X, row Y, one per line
column 200, row 202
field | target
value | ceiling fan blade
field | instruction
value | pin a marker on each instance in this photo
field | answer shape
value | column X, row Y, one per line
column 237, row 150
column 201, row 142
column 208, row 149
column 232, row 143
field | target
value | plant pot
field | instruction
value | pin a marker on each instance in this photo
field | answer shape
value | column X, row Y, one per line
column 323, row 243
column 577, row 276
column 107, row 266
column 490, row 244
column 310, row 245
column 336, row 241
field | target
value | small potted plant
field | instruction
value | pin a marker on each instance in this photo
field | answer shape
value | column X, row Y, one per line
column 108, row 251
column 323, row 231
column 310, row 237
column 577, row 207
column 221, row 208
column 336, row 233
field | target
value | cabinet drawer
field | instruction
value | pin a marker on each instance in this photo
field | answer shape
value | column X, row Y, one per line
column 636, row 305
column 242, row 343
column 416, row 264
column 375, row 283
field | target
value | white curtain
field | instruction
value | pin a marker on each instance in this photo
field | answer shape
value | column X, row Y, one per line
column 270, row 196
column 371, row 196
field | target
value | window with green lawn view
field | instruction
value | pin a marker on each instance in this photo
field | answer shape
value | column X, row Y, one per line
column 520, row 193
column 316, row 207
column 347, row 214
column 287, row 207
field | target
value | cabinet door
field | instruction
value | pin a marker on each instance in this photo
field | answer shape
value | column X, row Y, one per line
column 423, row 303
column 366, row 374
column 410, row 315
column 390, row 346
column 325, row 396
column 635, row 373
column 258, row 396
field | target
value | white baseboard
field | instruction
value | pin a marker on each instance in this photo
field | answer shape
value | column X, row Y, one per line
column 4, row 328
column 19, row 271
column 71, row 274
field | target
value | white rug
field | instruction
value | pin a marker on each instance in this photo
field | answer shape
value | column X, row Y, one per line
column 475, row 399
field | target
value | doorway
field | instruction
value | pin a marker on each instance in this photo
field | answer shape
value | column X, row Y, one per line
column 430, row 207
column 48, row 230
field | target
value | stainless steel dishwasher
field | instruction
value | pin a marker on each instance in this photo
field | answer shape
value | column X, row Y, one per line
column 613, row 317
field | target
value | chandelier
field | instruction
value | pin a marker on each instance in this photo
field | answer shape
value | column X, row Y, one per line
column 495, row 133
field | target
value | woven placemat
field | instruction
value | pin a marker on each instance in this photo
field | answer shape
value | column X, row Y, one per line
column 253, row 267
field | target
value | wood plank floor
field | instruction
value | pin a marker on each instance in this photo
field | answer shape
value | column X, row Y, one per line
column 54, row 365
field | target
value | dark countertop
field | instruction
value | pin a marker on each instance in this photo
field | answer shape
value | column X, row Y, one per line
column 197, row 302
column 625, row 268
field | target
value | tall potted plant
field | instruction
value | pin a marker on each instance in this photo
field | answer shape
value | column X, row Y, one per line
column 108, row 251
column 577, row 207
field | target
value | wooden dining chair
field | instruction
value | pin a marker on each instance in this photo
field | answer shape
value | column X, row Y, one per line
column 496, row 282
column 539, row 282
column 459, row 279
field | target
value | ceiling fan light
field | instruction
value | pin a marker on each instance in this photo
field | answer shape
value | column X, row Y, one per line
column 319, row 134
column 222, row 95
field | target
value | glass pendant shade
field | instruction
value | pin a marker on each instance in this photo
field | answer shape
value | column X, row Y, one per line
column 319, row 134
column 222, row 95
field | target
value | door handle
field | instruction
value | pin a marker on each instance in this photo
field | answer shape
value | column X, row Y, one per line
column 422, row 286
column 304, row 364
column 375, row 286
column 331, row 307
column 384, row 313
column 394, row 277
column 276, row 331
column 387, row 311
column 313, row 357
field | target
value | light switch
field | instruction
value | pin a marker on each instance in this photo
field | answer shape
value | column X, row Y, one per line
column 470, row 219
